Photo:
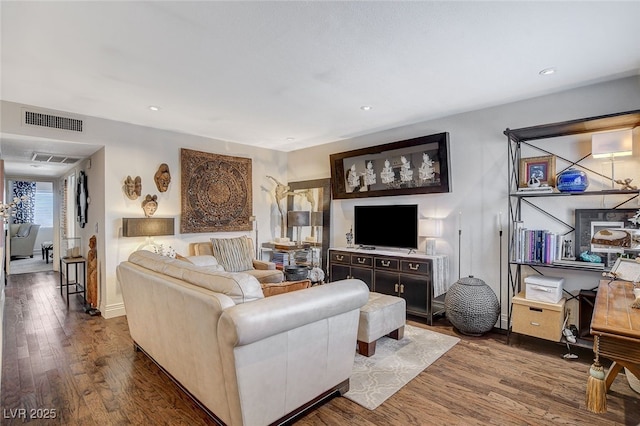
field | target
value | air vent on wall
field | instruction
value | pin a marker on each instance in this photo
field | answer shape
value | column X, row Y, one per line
column 54, row 158
column 52, row 121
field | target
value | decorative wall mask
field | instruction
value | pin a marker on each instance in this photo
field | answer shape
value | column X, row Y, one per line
column 150, row 205
column 162, row 178
column 216, row 192
column 132, row 187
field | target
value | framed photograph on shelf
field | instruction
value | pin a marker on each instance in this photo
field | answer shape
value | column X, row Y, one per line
column 602, row 219
column 543, row 168
column 626, row 270
column 606, row 227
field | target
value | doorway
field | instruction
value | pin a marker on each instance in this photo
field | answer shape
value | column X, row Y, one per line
column 31, row 230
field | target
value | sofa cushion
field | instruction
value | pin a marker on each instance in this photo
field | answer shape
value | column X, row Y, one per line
column 205, row 260
column 234, row 254
column 23, row 230
column 241, row 288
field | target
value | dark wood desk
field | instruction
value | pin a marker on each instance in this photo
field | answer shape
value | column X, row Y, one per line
column 617, row 326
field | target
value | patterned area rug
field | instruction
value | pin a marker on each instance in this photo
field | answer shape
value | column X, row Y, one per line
column 27, row 265
column 395, row 363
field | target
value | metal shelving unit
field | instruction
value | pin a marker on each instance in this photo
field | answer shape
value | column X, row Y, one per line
column 517, row 138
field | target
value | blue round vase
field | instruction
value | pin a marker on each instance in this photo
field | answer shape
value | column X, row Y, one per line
column 572, row 180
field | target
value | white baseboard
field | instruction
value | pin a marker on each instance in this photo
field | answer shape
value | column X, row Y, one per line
column 115, row 310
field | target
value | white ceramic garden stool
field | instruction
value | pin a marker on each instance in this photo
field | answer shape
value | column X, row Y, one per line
column 382, row 315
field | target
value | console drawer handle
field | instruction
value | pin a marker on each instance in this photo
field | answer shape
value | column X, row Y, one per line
column 401, row 288
column 414, row 267
column 395, row 288
column 386, row 263
column 362, row 260
column 339, row 257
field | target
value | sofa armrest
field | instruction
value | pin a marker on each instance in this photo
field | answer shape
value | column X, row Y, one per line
column 250, row 322
column 261, row 264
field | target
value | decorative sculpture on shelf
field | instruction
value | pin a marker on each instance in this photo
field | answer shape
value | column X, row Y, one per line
column 281, row 192
column 150, row 205
column 162, row 178
column 132, row 187
column 626, row 184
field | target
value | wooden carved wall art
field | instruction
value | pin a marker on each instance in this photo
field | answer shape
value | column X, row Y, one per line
column 216, row 192
column 132, row 187
column 162, row 178
column 150, row 205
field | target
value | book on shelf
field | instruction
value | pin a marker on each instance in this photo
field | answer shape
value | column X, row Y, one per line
column 579, row 264
column 536, row 190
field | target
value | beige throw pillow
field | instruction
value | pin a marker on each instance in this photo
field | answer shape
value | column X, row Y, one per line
column 234, row 254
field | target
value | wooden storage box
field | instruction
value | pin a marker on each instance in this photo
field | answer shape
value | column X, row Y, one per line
column 538, row 319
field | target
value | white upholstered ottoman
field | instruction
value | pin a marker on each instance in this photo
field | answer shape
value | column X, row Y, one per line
column 382, row 315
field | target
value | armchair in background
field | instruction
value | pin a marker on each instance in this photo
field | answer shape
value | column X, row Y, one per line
column 23, row 239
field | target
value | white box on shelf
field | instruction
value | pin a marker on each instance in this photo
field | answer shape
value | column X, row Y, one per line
column 544, row 289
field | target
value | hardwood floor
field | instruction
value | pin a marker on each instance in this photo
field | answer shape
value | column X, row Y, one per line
column 85, row 370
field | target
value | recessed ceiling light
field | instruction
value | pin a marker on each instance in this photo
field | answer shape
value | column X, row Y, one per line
column 366, row 107
column 154, row 108
column 290, row 139
column 547, row 71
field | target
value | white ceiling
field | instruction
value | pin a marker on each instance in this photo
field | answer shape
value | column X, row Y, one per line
column 288, row 75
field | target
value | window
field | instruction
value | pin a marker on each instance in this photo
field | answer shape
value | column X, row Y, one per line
column 44, row 204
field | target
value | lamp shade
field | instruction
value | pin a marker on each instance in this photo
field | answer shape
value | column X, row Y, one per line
column 298, row 218
column 316, row 218
column 147, row 226
column 430, row 227
column 612, row 144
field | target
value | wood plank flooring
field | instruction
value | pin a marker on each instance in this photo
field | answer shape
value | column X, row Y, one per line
column 85, row 370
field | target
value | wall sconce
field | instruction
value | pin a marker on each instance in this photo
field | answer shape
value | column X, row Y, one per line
column 298, row 219
column 430, row 228
column 147, row 227
column 612, row 144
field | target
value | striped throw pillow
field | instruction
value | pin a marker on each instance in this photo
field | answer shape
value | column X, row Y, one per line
column 234, row 254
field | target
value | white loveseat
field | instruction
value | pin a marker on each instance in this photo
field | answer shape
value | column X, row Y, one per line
column 249, row 360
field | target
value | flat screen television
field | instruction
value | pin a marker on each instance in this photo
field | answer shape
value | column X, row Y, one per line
column 386, row 226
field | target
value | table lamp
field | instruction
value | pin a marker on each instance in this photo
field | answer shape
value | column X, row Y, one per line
column 298, row 219
column 610, row 145
column 430, row 228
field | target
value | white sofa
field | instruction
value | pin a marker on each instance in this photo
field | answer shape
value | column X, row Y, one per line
column 249, row 360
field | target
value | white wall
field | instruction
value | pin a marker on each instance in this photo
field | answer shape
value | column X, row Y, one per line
column 138, row 151
column 478, row 155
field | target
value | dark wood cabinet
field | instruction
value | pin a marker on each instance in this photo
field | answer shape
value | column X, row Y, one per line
column 408, row 276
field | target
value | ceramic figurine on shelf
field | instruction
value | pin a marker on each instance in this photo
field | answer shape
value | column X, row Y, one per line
column 349, row 236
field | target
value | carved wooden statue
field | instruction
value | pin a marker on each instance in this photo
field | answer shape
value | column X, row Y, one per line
column 162, row 178
column 92, row 273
